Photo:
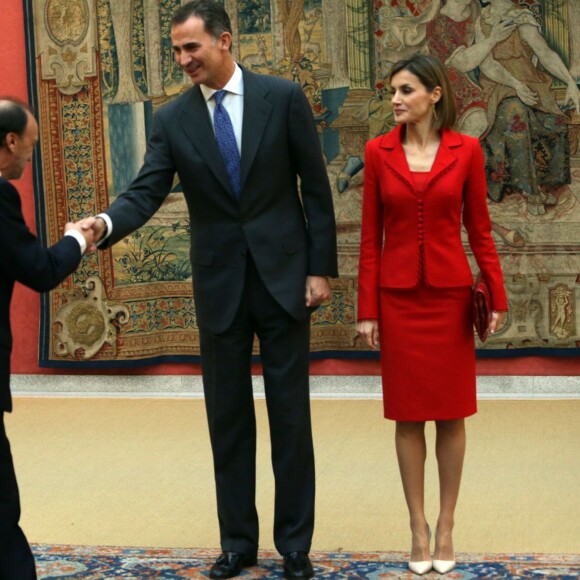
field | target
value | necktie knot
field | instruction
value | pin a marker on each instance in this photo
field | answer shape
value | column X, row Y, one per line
column 219, row 96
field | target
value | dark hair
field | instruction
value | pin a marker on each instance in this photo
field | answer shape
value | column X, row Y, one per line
column 432, row 73
column 215, row 18
column 13, row 117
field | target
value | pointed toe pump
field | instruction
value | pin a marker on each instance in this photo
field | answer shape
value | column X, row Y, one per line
column 423, row 566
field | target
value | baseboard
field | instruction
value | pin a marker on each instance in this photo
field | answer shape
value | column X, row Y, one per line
column 339, row 386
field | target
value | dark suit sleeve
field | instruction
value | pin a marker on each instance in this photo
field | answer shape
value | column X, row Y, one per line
column 315, row 189
column 134, row 207
column 24, row 258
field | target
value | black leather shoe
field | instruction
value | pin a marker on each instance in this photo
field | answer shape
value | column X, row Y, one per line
column 230, row 564
column 297, row 565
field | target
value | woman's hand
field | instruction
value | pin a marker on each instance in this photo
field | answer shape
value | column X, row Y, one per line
column 496, row 320
column 369, row 330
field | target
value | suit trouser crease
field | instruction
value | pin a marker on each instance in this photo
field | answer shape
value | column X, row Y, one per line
column 226, row 368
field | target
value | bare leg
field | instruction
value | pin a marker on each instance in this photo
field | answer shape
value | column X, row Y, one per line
column 450, row 451
column 411, row 453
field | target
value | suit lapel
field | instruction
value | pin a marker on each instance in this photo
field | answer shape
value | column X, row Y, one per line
column 257, row 111
column 395, row 157
column 197, row 127
column 445, row 159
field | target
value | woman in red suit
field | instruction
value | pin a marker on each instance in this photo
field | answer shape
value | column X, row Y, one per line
column 422, row 181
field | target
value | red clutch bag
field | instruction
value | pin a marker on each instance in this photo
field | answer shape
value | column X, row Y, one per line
column 481, row 307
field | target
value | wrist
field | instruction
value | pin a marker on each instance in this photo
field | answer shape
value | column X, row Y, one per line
column 104, row 227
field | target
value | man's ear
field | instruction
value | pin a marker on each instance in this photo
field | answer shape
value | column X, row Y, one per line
column 226, row 40
column 11, row 141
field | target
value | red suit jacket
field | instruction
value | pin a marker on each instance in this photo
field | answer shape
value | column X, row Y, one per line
column 407, row 239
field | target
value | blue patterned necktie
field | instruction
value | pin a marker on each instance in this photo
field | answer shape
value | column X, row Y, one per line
column 226, row 140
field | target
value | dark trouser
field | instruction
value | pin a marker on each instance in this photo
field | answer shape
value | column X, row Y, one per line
column 226, row 367
column 16, row 560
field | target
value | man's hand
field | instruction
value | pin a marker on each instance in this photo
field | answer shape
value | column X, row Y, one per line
column 317, row 291
column 369, row 330
column 98, row 227
column 85, row 228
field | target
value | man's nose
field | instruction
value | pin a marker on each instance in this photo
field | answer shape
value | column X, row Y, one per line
column 181, row 58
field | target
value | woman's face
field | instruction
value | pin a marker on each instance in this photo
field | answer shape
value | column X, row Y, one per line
column 412, row 102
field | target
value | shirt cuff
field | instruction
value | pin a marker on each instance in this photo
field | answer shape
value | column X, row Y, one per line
column 109, row 229
column 79, row 238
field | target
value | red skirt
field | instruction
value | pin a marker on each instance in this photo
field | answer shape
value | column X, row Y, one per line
column 427, row 353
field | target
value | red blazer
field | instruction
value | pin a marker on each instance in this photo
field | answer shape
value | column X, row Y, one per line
column 398, row 226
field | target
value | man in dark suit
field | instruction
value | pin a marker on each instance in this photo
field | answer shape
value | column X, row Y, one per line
column 24, row 260
column 261, row 250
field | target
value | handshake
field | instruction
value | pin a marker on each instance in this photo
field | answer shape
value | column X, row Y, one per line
column 92, row 229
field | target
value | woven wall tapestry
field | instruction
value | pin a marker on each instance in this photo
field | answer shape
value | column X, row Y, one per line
column 99, row 69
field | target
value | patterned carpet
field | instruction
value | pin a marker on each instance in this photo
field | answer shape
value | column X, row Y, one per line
column 112, row 562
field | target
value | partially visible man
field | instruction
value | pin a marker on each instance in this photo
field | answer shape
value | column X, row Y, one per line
column 263, row 241
column 24, row 260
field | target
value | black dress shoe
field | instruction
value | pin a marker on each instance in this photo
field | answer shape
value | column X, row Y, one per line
column 297, row 565
column 230, row 564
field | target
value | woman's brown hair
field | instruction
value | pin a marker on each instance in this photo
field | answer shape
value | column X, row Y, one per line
column 432, row 73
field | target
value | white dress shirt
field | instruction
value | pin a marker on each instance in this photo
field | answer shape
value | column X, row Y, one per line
column 233, row 103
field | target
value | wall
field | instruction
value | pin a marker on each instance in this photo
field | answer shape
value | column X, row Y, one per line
column 25, row 306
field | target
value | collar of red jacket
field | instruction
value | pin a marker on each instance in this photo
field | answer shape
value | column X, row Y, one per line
column 392, row 139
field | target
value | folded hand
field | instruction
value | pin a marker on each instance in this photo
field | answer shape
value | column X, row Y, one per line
column 317, row 291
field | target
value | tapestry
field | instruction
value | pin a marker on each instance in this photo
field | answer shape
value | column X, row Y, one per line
column 98, row 562
column 99, row 69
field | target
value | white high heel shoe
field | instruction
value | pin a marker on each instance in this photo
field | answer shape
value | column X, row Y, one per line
column 423, row 566
column 444, row 566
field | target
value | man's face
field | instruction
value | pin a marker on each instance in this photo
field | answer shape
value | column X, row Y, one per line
column 21, row 148
column 206, row 60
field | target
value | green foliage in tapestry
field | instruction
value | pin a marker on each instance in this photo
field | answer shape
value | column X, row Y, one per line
column 254, row 16
column 107, row 50
column 138, row 46
column 155, row 254
column 172, row 73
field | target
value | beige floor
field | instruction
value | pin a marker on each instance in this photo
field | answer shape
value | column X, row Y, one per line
column 138, row 472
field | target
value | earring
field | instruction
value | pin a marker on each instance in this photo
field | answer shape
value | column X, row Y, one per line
column 434, row 112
